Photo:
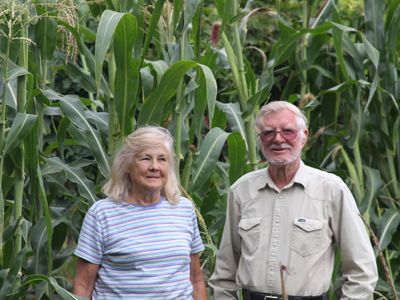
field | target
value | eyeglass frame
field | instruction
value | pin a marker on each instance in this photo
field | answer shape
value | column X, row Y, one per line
column 276, row 133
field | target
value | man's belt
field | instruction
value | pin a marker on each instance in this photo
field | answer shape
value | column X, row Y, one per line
column 248, row 295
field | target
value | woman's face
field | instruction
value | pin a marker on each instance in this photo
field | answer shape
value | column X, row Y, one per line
column 149, row 170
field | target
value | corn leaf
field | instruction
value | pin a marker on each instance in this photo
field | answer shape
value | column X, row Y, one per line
column 127, row 74
column 208, row 156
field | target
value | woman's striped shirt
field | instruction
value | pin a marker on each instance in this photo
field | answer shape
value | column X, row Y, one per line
column 143, row 251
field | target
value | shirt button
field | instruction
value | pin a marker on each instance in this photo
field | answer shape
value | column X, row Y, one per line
column 280, row 197
column 277, row 221
column 308, row 226
column 272, row 268
column 274, row 244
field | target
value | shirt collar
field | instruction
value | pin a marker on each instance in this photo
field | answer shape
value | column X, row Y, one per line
column 262, row 181
column 300, row 177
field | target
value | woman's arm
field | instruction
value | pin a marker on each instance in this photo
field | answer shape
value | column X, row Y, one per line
column 196, row 277
column 85, row 277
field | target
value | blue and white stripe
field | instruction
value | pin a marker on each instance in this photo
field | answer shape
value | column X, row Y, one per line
column 143, row 251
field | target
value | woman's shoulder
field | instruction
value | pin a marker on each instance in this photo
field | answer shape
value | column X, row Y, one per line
column 186, row 204
column 104, row 204
column 183, row 202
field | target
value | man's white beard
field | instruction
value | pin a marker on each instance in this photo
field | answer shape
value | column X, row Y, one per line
column 295, row 155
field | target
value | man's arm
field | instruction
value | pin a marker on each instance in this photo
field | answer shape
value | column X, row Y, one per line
column 358, row 259
column 85, row 277
column 196, row 277
column 223, row 281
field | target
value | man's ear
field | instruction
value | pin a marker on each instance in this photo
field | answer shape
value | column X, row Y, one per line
column 305, row 130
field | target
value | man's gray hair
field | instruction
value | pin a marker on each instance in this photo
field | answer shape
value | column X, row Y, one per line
column 275, row 106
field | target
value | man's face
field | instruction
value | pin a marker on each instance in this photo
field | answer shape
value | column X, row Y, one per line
column 281, row 151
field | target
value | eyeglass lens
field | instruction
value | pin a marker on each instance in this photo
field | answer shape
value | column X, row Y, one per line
column 287, row 134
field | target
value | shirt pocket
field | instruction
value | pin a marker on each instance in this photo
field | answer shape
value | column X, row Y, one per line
column 249, row 231
column 306, row 239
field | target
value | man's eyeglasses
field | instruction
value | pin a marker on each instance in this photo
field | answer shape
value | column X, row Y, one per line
column 287, row 134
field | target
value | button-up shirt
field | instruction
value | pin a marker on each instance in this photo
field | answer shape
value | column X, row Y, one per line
column 298, row 227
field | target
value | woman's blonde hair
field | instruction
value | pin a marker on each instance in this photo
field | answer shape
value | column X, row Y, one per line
column 118, row 187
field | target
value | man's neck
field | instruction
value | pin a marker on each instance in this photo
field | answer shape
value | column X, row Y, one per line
column 282, row 175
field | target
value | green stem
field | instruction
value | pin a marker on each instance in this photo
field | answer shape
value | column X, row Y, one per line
column 40, row 113
column 242, row 86
column 112, row 114
column 386, row 252
column 388, row 263
column 398, row 155
column 111, row 125
column 178, row 134
column 180, row 105
column 2, row 140
column 239, row 55
column 359, row 167
column 197, row 41
column 337, row 108
column 18, row 193
column 251, row 142
column 303, row 47
column 394, row 183
column 235, row 70
column 19, row 171
column 186, row 170
column 353, row 175
column 86, row 68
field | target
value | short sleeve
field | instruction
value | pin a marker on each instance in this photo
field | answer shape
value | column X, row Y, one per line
column 197, row 244
column 90, row 244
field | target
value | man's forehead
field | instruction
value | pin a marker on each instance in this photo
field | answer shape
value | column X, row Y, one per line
column 281, row 117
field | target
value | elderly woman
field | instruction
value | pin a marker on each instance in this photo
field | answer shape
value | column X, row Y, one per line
column 142, row 242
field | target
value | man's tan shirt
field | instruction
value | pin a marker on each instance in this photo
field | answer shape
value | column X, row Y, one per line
column 297, row 226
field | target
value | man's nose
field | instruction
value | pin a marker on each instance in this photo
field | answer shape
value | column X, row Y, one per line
column 278, row 137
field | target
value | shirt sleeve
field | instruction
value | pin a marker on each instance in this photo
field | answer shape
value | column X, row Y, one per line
column 90, row 244
column 197, row 244
column 358, row 259
column 223, row 281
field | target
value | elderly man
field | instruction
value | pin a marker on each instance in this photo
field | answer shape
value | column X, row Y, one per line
column 293, row 215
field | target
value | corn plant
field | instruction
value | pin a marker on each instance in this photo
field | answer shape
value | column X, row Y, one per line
column 335, row 73
column 134, row 63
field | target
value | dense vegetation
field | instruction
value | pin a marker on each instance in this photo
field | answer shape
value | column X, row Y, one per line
column 78, row 77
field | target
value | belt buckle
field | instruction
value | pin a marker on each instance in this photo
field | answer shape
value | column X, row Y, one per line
column 272, row 297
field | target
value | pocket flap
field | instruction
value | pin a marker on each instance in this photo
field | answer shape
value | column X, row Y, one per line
column 247, row 224
column 308, row 224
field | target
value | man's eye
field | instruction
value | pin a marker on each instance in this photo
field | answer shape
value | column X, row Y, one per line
column 288, row 131
column 267, row 133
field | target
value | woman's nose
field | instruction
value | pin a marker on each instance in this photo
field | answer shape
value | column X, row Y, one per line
column 154, row 165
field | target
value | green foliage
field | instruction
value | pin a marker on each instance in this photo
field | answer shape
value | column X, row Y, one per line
column 71, row 97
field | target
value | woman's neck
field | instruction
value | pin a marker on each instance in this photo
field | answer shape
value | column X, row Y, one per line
column 143, row 199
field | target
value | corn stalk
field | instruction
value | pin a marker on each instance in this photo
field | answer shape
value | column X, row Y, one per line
column 2, row 138
column 236, row 62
